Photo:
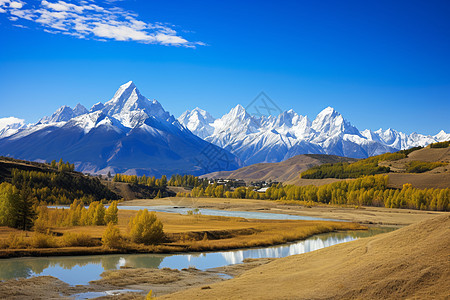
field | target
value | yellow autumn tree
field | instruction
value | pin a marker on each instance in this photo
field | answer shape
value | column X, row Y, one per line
column 146, row 228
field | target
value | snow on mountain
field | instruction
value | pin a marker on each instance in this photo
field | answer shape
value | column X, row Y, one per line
column 400, row 140
column 273, row 139
column 442, row 136
column 133, row 134
column 79, row 110
column 10, row 125
column 131, row 108
column 64, row 114
column 11, row 122
column 128, row 133
column 198, row 121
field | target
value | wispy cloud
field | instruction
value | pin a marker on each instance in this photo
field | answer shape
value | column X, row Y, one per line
column 89, row 20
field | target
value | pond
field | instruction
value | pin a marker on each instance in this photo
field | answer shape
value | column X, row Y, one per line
column 81, row 269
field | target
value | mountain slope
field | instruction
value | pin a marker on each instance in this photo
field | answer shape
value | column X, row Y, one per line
column 274, row 139
column 128, row 134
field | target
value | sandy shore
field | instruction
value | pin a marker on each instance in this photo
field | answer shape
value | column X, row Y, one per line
column 363, row 215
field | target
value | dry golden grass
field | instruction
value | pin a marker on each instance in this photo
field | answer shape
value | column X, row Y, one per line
column 182, row 233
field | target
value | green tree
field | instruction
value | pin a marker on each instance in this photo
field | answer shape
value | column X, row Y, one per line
column 23, row 211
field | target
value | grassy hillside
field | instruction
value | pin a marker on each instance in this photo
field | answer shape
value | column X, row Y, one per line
column 285, row 171
column 415, row 160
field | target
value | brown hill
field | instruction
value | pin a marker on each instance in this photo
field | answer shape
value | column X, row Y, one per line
column 286, row 171
column 436, row 178
column 412, row 262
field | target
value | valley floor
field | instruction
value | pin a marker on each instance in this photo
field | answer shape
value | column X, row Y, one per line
column 362, row 215
column 411, row 262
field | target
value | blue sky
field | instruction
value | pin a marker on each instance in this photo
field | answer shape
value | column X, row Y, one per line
column 379, row 63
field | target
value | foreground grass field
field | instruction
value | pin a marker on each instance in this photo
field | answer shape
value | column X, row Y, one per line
column 409, row 263
column 183, row 233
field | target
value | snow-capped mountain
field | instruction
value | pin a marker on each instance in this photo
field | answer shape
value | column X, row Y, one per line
column 274, row 139
column 128, row 134
column 132, row 134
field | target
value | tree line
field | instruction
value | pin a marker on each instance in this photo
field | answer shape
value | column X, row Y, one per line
column 175, row 180
column 77, row 215
column 445, row 144
column 370, row 190
column 62, row 166
column 61, row 187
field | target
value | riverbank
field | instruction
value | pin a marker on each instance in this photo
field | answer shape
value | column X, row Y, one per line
column 363, row 215
column 183, row 233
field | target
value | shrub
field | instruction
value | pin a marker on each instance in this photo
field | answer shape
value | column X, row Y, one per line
column 146, row 228
column 111, row 237
column 16, row 241
column 40, row 240
column 80, row 239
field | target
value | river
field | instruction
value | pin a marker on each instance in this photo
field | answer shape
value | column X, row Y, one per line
column 81, row 269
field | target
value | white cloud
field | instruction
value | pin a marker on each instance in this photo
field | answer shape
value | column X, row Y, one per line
column 85, row 19
column 17, row 5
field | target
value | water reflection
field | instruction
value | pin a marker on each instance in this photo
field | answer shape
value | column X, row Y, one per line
column 82, row 269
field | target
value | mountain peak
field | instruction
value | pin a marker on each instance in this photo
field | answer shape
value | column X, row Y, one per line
column 79, row 110
column 328, row 111
column 128, row 84
column 62, row 114
column 329, row 123
column 128, row 103
column 238, row 110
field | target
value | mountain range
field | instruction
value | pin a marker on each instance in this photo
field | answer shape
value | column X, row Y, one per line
column 134, row 135
column 277, row 138
column 128, row 134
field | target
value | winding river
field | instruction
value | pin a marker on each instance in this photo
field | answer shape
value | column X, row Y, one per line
column 81, row 269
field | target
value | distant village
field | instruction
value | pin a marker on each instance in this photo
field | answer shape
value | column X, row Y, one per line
column 259, row 186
